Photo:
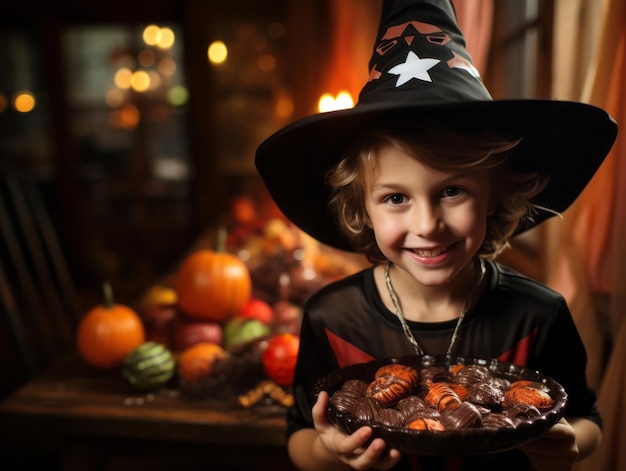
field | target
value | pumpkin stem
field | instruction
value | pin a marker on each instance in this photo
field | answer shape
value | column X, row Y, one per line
column 222, row 236
column 108, row 294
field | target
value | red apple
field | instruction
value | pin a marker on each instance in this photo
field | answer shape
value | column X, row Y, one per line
column 158, row 321
column 256, row 308
column 279, row 358
column 188, row 334
column 159, row 316
column 287, row 317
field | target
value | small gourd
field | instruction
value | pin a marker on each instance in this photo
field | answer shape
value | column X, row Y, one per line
column 108, row 332
column 149, row 366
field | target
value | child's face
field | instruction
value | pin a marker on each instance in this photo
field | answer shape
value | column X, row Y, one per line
column 428, row 222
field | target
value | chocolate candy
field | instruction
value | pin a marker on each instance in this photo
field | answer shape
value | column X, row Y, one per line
column 486, row 393
column 430, row 374
column 441, row 395
column 465, row 415
column 497, row 420
column 407, row 373
column 389, row 416
column 471, row 374
column 367, row 408
column 356, row 385
column 522, row 413
column 528, row 395
column 388, row 389
column 409, row 404
column 423, row 413
column 435, row 398
column 424, row 423
column 344, row 399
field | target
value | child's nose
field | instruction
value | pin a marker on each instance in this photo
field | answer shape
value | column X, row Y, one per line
column 427, row 220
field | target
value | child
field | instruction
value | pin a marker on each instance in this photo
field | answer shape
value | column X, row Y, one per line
column 430, row 178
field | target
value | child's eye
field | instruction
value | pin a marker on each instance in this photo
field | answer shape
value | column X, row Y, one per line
column 395, row 199
column 452, row 191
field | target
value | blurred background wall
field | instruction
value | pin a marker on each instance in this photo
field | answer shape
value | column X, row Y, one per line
column 138, row 139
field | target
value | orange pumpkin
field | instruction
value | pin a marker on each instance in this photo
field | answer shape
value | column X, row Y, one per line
column 196, row 362
column 213, row 285
column 108, row 332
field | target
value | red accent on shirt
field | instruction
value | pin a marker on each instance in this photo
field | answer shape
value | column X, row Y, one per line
column 518, row 355
column 346, row 353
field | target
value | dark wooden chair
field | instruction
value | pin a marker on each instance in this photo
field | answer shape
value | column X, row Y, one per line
column 38, row 301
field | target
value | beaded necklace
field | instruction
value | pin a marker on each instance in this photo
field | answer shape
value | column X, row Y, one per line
column 405, row 327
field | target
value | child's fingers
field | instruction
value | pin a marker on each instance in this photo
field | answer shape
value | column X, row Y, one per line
column 320, row 417
column 376, row 454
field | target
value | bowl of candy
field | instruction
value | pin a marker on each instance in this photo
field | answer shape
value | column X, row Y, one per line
column 444, row 405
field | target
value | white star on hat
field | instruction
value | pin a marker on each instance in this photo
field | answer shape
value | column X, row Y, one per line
column 413, row 67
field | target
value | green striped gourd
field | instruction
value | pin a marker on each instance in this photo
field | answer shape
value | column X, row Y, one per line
column 149, row 366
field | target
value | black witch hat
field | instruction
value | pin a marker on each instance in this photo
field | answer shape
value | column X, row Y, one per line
column 420, row 70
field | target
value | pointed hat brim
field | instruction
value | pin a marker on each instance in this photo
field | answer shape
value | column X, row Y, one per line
column 566, row 141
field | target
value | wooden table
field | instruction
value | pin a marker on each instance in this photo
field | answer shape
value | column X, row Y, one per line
column 89, row 420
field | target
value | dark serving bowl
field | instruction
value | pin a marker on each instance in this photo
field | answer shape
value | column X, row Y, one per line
column 467, row 441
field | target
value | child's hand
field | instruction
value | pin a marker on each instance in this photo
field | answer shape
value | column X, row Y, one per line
column 555, row 450
column 352, row 449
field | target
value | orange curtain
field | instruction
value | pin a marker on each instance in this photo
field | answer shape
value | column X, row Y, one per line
column 607, row 263
column 475, row 18
column 588, row 257
column 582, row 248
column 353, row 29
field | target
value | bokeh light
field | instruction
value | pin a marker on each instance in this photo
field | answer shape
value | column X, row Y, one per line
column 328, row 102
column 24, row 101
column 344, row 100
column 140, row 81
column 267, row 62
column 155, row 80
column 217, row 52
column 146, row 57
column 167, row 66
column 122, row 78
column 114, row 98
column 177, row 95
column 127, row 117
column 151, row 35
column 166, row 39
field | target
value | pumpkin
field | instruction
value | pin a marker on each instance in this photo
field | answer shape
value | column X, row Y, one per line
column 149, row 366
column 108, row 332
column 212, row 285
column 196, row 363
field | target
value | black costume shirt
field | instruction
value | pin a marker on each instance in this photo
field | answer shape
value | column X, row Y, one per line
column 516, row 320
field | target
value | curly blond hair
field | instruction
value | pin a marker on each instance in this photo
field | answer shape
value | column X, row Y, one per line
column 443, row 150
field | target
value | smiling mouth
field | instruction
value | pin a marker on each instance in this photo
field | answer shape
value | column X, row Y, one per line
column 431, row 252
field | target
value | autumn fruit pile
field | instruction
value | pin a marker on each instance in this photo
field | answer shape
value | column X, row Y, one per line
column 226, row 319
column 199, row 329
